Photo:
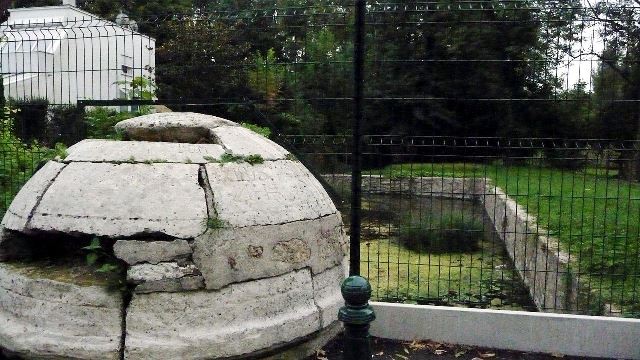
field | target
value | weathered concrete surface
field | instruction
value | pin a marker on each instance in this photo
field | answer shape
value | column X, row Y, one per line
column 231, row 255
column 93, row 150
column 17, row 215
column 165, row 277
column 124, row 200
column 242, row 141
column 275, row 192
column 140, row 251
column 163, row 271
column 238, row 319
column 326, row 288
column 186, row 283
column 542, row 265
column 185, row 127
column 42, row 318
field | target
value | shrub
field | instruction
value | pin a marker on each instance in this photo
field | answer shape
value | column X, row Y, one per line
column 65, row 125
column 17, row 159
column 449, row 233
column 30, row 118
column 100, row 122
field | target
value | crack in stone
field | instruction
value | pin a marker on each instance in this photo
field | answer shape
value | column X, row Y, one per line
column 127, row 296
column 287, row 222
column 39, row 199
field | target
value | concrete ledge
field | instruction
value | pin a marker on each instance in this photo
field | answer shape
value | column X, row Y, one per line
column 574, row 335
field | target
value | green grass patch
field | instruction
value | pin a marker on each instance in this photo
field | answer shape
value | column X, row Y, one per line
column 477, row 278
column 594, row 214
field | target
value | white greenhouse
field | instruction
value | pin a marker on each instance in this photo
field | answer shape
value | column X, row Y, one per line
column 65, row 54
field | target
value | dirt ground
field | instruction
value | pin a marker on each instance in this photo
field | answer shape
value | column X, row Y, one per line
column 422, row 350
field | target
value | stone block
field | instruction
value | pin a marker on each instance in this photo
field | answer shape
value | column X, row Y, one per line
column 231, row 255
column 275, row 192
column 119, row 200
column 140, row 251
column 242, row 141
column 93, row 150
column 43, row 318
column 238, row 319
column 163, row 271
column 184, row 127
column 21, row 207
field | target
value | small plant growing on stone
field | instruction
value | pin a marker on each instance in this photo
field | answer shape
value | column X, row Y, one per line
column 98, row 257
column 291, row 157
column 208, row 158
column 261, row 130
column 254, row 159
column 213, row 223
column 229, row 157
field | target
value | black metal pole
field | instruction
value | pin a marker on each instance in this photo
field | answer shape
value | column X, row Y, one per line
column 356, row 154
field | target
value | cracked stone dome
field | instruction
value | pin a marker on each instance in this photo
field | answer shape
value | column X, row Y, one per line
column 195, row 238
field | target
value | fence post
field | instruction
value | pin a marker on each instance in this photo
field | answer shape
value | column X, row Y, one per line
column 356, row 315
column 356, row 155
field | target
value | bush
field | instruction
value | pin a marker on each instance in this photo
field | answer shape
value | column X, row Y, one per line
column 100, row 122
column 18, row 160
column 30, row 118
column 64, row 125
column 449, row 233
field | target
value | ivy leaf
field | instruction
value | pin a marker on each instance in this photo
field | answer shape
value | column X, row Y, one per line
column 92, row 258
column 107, row 268
column 95, row 245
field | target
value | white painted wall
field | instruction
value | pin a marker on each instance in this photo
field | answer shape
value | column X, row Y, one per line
column 65, row 54
column 575, row 335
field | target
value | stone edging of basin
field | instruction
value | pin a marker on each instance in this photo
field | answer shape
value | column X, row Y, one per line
column 545, row 269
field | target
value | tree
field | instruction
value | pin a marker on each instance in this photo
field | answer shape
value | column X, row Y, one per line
column 617, row 82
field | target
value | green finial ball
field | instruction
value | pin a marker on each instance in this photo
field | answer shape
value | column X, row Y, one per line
column 356, row 290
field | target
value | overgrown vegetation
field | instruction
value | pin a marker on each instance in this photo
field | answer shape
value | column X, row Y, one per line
column 449, row 233
column 594, row 214
column 262, row 130
column 19, row 160
column 228, row 157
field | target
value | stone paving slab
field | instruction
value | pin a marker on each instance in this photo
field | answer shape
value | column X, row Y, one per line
column 119, row 200
column 238, row 319
column 274, row 192
column 41, row 317
column 242, row 141
column 18, row 213
column 143, row 152
column 231, row 255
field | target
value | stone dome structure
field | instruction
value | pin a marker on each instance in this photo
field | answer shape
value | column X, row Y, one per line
column 202, row 240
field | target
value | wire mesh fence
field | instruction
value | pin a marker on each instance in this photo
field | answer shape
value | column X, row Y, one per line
column 474, row 195
column 493, row 222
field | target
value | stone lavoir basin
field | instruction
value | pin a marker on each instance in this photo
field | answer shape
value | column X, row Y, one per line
column 195, row 238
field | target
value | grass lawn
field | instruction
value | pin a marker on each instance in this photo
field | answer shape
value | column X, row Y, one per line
column 479, row 279
column 595, row 216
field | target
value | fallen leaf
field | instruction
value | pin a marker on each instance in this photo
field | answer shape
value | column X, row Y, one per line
column 440, row 352
column 380, row 353
column 401, row 356
column 405, row 350
column 459, row 353
column 476, row 358
column 487, row 355
column 556, row 355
